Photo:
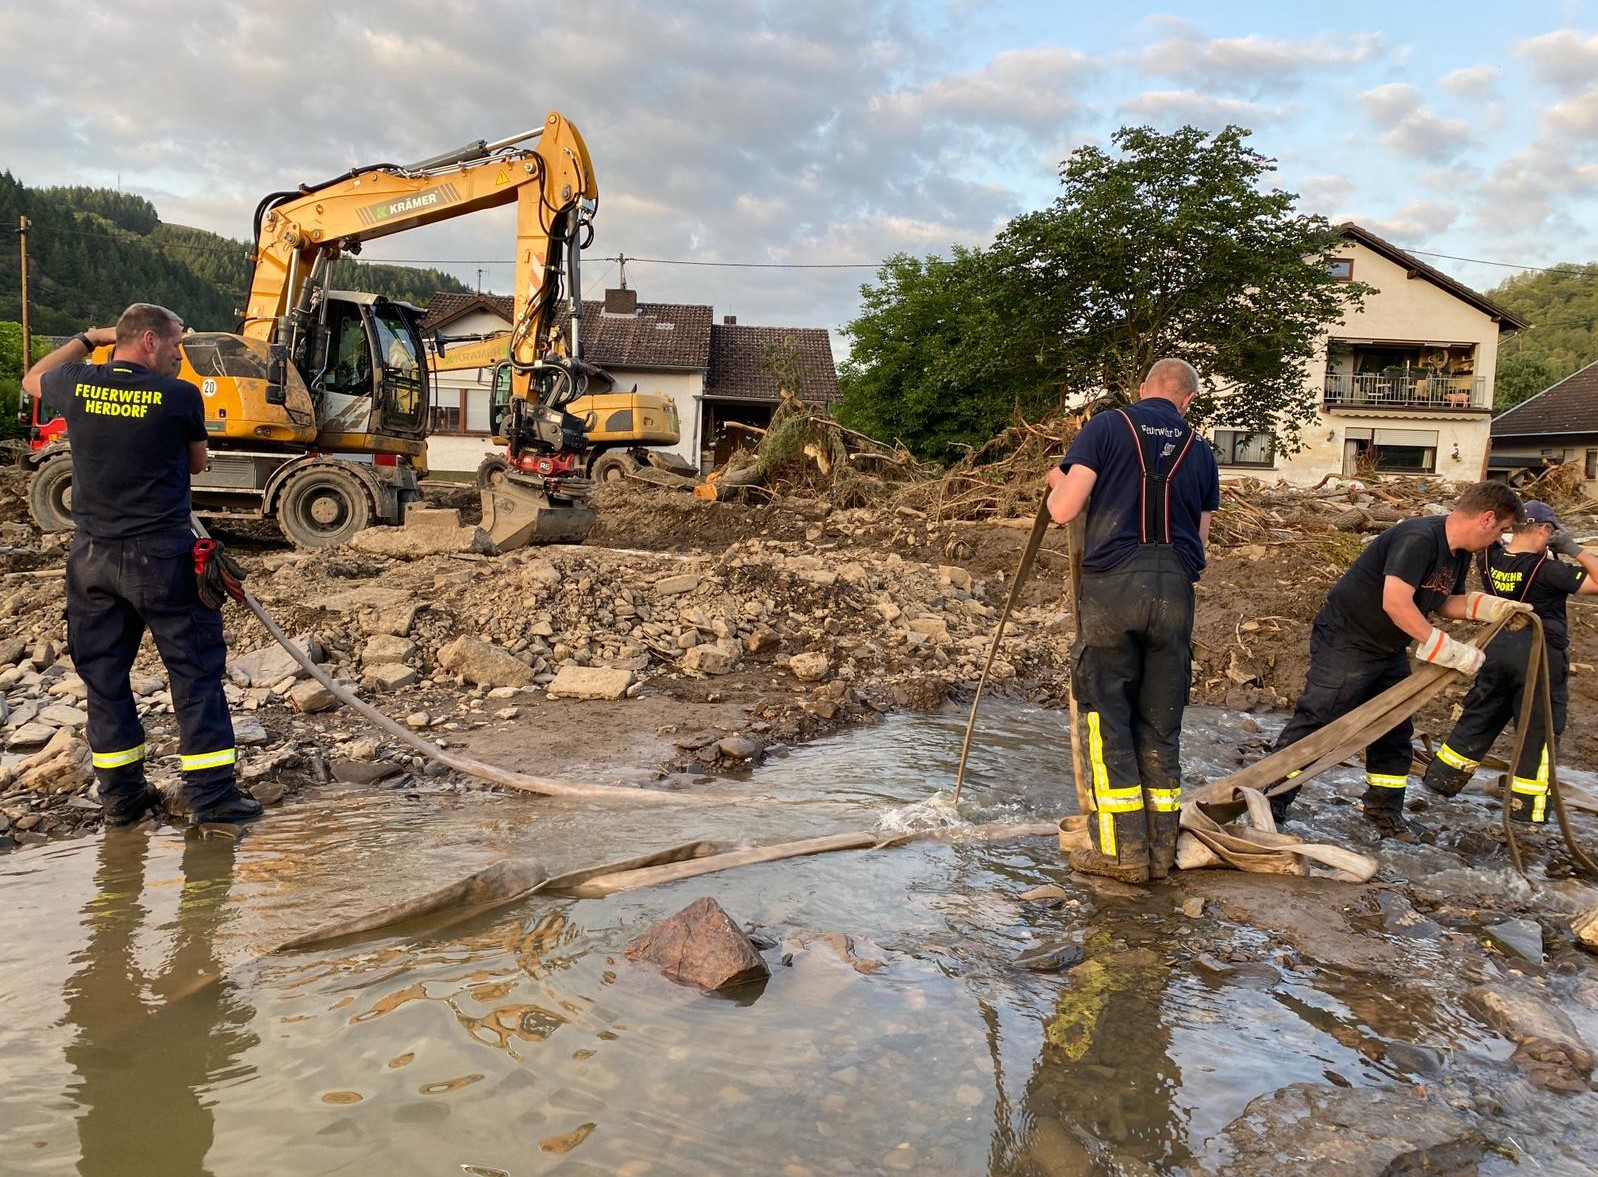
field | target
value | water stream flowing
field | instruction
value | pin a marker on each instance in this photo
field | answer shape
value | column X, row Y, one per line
column 147, row 1033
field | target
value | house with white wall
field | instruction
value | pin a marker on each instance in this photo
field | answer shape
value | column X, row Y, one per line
column 714, row 373
column 1402, row 386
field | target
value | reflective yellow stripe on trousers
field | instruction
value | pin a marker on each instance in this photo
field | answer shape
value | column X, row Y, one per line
column 1378, row 780
column 1106, row 800
column 1165, row 800
column 118, row 759
column 1454, row 760
column 1536, row 789
column 209, row 759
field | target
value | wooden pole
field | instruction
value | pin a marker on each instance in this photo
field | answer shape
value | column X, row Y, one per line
column 1076, row 541
column 27, row 333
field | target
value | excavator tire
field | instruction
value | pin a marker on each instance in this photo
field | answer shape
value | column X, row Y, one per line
column 50, row 494
column 322, row 507
column 612, row 466
column 491, row 472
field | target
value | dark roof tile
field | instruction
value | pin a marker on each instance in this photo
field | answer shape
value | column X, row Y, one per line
column 1571, row 406
column 740, row 364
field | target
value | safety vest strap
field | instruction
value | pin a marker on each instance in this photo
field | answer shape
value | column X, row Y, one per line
column 1158, row 458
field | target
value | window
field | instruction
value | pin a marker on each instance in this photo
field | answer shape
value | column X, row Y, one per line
column 1592, row 465
column 477, row 410
column 1238, row 447
column 1341, row 268
column 447, row 418
column 1406, row 451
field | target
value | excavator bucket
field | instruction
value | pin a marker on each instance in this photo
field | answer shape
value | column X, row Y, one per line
column 518, row 513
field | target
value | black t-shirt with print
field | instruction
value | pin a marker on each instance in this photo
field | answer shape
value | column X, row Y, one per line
column 1417, row 552
column 1538, row 579
column 129, row 429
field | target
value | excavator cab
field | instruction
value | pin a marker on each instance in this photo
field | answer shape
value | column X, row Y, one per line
column 371, row 386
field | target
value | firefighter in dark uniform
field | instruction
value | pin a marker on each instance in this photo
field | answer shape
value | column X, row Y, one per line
column 1520, row 571
column 137, row 434
column 1149, row 486
column 1357, row 645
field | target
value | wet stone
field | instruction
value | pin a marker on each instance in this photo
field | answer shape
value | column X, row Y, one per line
column 1051, row 956
column 357, row 772
column 702, row 946
column 1308, row 1131
column 1518, row 939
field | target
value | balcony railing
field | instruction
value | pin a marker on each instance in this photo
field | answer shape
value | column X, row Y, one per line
column 1407, row 392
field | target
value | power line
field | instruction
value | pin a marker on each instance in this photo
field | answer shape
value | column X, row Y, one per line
column 1582, row 272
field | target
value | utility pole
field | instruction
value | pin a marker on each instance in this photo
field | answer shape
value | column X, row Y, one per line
column 27, row 335
column 479, row 279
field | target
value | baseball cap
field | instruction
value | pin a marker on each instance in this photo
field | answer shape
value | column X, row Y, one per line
column 1541, row 513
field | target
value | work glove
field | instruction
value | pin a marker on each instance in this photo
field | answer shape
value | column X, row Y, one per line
column 1486, row 607
column 217, row 575
column 1564, row 544
column 1441, row 650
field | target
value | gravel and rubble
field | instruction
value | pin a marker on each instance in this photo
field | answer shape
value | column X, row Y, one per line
column 708, row 634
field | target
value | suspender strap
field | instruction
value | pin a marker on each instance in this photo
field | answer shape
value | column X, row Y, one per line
column 1158, row 457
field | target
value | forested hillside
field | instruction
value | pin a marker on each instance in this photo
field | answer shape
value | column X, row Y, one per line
column 1561, row 304
column 92, row 251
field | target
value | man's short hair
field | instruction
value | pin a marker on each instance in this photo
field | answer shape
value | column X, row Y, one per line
column 142, row 317
column 1491, row 496
column 1172, row 377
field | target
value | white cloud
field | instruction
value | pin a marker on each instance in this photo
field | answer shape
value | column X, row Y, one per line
column 1171, row 107
column 1473, row 81
column 1413, row 224
column 1563, row 59
column 1326, row 195
column 1252, row 63
column 1410, row 128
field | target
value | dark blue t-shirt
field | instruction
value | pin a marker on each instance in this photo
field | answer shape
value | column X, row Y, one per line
column 129, row 429
column 1414, row 550
column 1114, row 514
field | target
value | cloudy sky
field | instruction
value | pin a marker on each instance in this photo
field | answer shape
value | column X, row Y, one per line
column 818, row 131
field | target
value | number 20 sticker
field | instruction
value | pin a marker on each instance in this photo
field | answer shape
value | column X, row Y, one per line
column 208, row 388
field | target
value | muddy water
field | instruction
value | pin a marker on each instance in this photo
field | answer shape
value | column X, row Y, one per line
column 144, row 1031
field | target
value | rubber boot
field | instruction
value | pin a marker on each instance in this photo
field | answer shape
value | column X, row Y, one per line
column 123, row 813
column 1384, row 809
column 1164, row 828
column 227, row 818
column 1444, row 780
column 1130, row 841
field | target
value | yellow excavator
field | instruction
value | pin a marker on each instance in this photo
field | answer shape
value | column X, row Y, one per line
column 624, row 431
column 318, row 410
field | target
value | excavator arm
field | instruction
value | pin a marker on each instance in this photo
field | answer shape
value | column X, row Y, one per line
column 546, row 173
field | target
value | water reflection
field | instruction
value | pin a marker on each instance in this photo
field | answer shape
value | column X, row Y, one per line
column 150, row 1038
column 1101, row 1095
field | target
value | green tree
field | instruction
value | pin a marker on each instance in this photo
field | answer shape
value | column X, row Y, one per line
column 1175, row 246
column 1561, row 304
column 1521, row 376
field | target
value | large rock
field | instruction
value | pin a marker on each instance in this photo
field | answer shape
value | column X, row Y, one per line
column 700, row 946
column 311, row 696
column 29, row 735
column 484, row 663
column 1518, row 938
column 1585, row 927
column 272, row 664
column 428, row 531
column 671, row 586
column 712, row 658
column 390, row 676
column 383, row 647
column 61, row 715
column 589, row 682
column 1549, row 1047
column 809, row 667
column 1308, row 1131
